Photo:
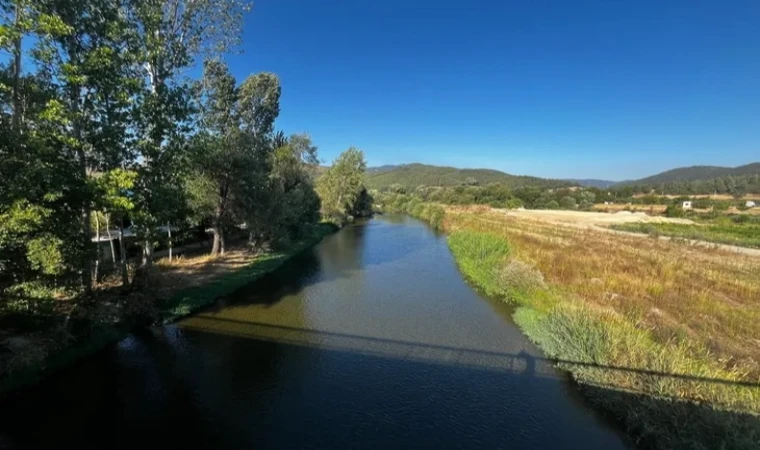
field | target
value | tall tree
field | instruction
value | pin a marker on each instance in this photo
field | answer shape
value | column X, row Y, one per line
column 231, row 157
column 174, row 35
column 340, row 186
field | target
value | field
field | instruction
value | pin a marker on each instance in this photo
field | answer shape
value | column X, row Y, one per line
column 649, row 209
column 743, row 235
column 661, row 335
column 710, row 196
column 590, row 218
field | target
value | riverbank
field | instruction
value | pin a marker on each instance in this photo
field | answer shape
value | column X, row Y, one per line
column 660, row 336
column 173, row 290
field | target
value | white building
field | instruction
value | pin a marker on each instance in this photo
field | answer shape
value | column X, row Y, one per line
column 750, row 204
column 686, row 205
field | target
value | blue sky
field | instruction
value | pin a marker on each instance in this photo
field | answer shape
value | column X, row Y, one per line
column 585, row 89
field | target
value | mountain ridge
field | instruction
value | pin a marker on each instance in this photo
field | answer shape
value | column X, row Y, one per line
column 416, row 174
column 695, row 173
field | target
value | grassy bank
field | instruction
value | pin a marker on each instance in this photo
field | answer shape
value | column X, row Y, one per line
column 174, row 292
column 660, row 336
column 429, row 212
column 730, row 233
column 187, row 300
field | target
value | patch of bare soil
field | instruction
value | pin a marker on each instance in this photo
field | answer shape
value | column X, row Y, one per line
column 591, row 218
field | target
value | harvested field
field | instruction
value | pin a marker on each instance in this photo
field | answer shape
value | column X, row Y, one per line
column 590, row 218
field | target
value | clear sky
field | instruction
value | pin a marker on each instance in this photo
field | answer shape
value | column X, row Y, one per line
column 584, row 89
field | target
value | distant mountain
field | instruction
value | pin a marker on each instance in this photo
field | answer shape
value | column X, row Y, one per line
column 412, row 175
column 380, row 169
column 695, row 173
column 593, row 183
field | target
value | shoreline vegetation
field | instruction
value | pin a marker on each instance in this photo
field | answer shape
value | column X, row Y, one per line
column 171, row 298
column 659, row 336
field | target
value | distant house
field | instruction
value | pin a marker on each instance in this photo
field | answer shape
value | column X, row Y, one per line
column 750, row 204
column 686, row 205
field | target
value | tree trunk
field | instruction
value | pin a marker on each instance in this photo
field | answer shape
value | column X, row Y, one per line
column 147, row 256
column 110, row 239
column 218, row 247
column 169, row 231
column 97, row 249
column 87, row 242
column 123, row 256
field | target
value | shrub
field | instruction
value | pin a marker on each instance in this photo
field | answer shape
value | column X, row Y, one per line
column 522, row 276
column 674, row 211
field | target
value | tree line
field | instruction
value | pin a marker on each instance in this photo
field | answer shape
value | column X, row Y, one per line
column 104, row 134
column 736, row 185
column 496, row 195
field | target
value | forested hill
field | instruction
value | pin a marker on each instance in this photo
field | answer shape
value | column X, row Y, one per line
column 412, row 175
column 695, row 173
column 736, row 181
column 592, row 182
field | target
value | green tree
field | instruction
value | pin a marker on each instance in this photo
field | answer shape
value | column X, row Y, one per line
column 115, row 200
column 340, row 186
column 567, row 202
column 231, row 160
column 174, row 34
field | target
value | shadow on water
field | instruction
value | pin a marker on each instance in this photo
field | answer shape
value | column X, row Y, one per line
column 242, row 388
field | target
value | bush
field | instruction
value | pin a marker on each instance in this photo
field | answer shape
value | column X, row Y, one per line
column 521, row 280
column 675, row 211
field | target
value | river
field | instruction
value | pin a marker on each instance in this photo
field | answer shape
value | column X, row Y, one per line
column 369, row 340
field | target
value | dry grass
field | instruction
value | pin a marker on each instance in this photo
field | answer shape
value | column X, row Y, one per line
column 188, row 271
column 659, row 334
column 649, row 209
column 678, row 291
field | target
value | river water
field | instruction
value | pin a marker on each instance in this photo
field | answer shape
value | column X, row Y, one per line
column 369, row 340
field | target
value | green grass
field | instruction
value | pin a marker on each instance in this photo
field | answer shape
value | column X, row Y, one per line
column 666, row 395
column 480, row 256
column 739, row 234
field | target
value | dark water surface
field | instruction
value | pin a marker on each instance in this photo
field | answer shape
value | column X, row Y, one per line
column 369, row 340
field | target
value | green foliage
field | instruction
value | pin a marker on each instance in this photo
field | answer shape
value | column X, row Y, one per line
column 568, row 202
column 675, row 211
column 342, row 185
column 432, row 213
